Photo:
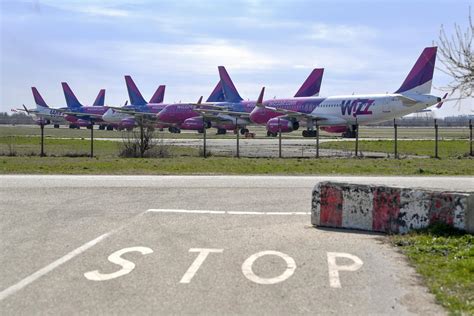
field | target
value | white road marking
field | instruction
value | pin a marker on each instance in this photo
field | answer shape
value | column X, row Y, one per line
column 249, row 274
column 127, row 266
column 224, row 212
column 38, row 274
column 203, row 253
column 334, row 269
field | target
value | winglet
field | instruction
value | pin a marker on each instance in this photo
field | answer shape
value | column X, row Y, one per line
column 260, row 98
column 100, row 100
column 312, row 84
column 440, row 104
column 38, row 98
column 230, row 92
column 26, row 110
column 159, row 95
column 200, row 100
column 71, row 100
column 134, row 94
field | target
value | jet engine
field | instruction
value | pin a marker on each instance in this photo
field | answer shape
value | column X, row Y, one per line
column 285, row 125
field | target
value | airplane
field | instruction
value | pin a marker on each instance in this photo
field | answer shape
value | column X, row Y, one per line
column 342, row 114
column 230, row 114
column 79, row 115
column 126, row 117
column 43, row 114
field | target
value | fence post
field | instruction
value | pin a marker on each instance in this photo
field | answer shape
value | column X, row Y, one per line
column 92, row 140
column 436, row 138
column 317, row 140
column 238, row 138
column 470, row 138
column 42, row 139
column 357, row 139
column 204, row 138
column 395, row 137
column 279, row 139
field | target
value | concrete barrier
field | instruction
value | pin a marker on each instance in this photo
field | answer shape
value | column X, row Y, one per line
column 389, row 209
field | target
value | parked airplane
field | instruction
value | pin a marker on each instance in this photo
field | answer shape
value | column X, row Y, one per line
column 80, row 115
column 43, row 114
column 345, row 113
column 126, row 116
column 230, row 114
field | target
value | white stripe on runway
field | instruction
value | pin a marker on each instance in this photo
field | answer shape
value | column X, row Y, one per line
column 38, row 274
column 178, row 211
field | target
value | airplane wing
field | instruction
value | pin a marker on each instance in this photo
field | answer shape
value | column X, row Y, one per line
column 82, row 115
column 297, row 115
column 210, row 112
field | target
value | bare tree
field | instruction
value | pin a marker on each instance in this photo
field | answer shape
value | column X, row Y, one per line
column 137, row 144
column 457, row 56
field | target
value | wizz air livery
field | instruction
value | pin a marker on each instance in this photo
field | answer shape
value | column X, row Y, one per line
column 344, row 113
column 81, row 115
column 125, row 117
column 229, row 111
column 43, row 114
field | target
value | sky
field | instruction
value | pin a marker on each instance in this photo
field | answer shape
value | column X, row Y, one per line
column 365, row 46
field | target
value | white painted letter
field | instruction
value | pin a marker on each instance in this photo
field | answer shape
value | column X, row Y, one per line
column 127, row 266
column 203, row 253
column 334, row 269
column 249, row 274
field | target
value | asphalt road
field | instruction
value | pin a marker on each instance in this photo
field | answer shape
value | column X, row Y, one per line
column 194, row 244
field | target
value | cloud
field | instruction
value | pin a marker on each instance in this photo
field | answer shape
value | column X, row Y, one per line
column 341, row 33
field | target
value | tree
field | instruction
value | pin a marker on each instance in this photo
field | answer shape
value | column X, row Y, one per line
column 457, row 56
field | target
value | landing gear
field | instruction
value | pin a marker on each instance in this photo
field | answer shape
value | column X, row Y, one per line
column 350, row 133
column 243, row 131
column 174, row 129
column 110, row 128
column 308, row 133
column 221, row 131
column 101, row 127
column 270, row 134
column 74, row 126
column 56, row 125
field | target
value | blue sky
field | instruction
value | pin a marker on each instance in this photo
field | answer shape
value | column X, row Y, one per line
column 365, row 46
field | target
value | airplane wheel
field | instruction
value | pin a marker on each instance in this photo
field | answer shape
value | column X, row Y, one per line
column 243, row 131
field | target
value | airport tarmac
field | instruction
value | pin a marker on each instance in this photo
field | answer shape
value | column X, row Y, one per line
column 195, row 244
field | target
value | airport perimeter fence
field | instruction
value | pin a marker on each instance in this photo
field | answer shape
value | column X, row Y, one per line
column 371, row 142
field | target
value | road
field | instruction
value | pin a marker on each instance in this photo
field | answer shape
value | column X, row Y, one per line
column 194, row 244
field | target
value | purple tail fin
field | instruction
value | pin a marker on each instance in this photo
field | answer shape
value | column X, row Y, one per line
column 420, row 76
column 134, row 94
column 312, row 85
column 159, row 95
column 100, row 100
column 230, row 92
column 217, row 94
column 38, row 98
column 71, row 100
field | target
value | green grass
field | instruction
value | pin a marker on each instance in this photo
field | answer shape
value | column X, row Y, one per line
column 445, row 259
column 446, row 148
column 224, row 165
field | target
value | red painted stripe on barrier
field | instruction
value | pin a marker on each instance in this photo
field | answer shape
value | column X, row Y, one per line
column 331, row 206
column 442, row 208
column 386, row 209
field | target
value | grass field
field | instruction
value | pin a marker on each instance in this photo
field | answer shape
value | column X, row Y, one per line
column 445, row 259
column 222, row 165
column 365, row 132
column 446, row 148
